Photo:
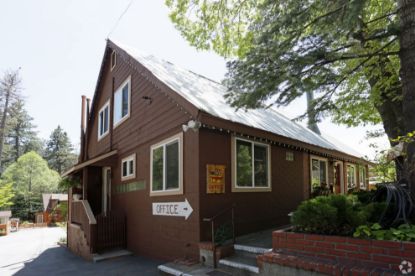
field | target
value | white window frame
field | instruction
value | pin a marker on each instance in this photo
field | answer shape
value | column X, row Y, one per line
column 164, row 191
column 130, row 175
column 311, row 170
column 107, row 104
column 253, row 188
column 113, row 55
column 119, row 90
column 354, row 176
column 364, row 187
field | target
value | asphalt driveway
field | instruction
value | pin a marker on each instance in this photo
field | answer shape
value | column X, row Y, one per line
column 35, row 252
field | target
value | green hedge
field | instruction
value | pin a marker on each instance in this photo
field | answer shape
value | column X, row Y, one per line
column 334, row 215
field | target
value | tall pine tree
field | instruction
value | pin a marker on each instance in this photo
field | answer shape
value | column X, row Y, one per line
column 10, row 86
column 21, row 135
column 59, row 151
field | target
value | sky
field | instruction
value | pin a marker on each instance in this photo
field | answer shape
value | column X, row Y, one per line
column 59, row 45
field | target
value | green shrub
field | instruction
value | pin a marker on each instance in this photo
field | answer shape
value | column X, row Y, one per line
column 331, row 215
column 404, row 232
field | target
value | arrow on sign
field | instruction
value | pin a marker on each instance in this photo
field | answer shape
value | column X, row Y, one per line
column 174, row 209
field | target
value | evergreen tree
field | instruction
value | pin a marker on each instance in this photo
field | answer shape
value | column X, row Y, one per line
column 9, row 92
column 59, row 151
column 21, row 136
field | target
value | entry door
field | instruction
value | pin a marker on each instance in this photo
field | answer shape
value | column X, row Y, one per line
column 106, row 190
column 338, row 177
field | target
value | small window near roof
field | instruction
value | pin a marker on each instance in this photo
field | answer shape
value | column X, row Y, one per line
column 128, row 167
column 289, row 156
column 113, row 59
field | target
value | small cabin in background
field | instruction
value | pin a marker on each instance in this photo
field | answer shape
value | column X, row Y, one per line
column 163, row 153
column 55, row 209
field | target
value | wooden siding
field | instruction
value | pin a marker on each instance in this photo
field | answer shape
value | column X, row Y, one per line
column 155, row 236
column 254, row 210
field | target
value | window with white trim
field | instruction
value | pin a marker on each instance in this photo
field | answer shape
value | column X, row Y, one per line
column 251, row 165
column 166, row 166
column 319, row 175
column 351, row 176
column 122, row 100
column 103, row 120
column 128, row 167
column 362, row 177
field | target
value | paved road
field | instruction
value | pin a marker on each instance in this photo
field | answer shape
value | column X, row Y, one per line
column 35, row 252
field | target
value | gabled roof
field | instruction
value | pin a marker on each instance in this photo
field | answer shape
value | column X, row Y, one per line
column 208, row 96
column 46, row 198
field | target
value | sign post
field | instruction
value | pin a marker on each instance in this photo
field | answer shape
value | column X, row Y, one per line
column 173, row 209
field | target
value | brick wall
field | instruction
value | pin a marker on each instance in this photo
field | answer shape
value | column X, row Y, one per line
column 367, row 253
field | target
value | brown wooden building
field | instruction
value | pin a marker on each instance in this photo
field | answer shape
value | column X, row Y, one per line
column 157, row 138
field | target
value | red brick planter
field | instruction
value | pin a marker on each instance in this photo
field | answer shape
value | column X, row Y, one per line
column 352, row 252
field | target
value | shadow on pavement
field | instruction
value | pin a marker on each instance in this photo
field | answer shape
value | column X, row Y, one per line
column 60, row 261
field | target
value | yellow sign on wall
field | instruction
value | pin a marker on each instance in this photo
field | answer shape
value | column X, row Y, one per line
column 215, row 179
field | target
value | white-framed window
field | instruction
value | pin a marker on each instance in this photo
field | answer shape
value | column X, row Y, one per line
column 128, row 167
column 166, row 168
column 319, row 175
column 113, row 59
column 122, row 102
column 104, row 120
column 351, row 176
column 362, row 177
column 251, row 166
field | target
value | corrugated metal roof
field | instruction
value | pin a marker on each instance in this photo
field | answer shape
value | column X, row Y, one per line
column 208, row 95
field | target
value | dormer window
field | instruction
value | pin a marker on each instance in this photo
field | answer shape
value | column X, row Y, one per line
column 122, row 102
column 113, row 59
column 103, row 120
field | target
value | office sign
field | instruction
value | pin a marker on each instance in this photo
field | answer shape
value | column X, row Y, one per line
column 173, row 209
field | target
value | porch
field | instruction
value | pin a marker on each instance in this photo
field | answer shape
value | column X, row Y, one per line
column 93, row 226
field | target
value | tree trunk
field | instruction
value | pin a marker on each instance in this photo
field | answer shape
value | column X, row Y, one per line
column 3, row 125
column 311, row 114
column 406, row 10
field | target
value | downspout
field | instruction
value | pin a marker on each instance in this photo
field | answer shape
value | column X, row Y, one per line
column 88, row 102
column 81, row 153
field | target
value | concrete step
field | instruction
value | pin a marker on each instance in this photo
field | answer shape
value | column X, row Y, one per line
column 240, row 263
column 177, row 269
column 110, row 255
column 251, row 249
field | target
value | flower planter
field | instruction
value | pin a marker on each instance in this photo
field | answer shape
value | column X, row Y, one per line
column 343, row 253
